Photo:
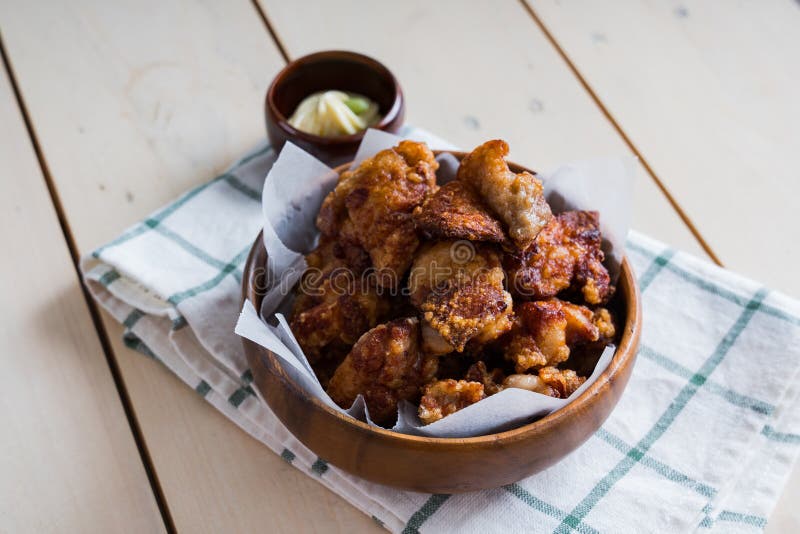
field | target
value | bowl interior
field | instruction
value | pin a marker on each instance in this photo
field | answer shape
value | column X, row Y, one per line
column 343, row 71
column 625, row 305
column 442, row 465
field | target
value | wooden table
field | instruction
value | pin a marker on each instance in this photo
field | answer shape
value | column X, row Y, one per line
column 111, row 109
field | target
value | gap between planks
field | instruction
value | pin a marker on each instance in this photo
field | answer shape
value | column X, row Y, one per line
column 271, row 30
column 124, row 397
column 595, row 98
column 269, row 27
column 627, row 140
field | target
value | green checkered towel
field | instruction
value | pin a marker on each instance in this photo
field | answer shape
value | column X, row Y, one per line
column 702, row 439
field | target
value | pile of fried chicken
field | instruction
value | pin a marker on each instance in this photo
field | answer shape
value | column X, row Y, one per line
column 443, row 295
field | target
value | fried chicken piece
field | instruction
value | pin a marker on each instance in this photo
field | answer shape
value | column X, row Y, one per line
column 456, row 212
column 602, row 319
column 333, row 308
column 458, row 287
column 337, row 321
column 545, row 331
column 459, row 290
column 385, row 366
column 562, row 381
column 565, row 255
column 436, row 263
column 518, row 199
column 492, row 381
column 522, row 349
column 583, row 357
column 444, row 397
column 329, row 259
column 433, row 342
column 551, row 381
column 477, row 309
column 529, row 382
column 371, row 206
column 333, row 211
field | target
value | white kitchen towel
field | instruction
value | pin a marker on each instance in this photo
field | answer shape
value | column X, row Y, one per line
column 703, row 438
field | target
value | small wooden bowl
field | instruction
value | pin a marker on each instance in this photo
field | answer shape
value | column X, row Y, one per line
column 321, row 71
column 442, row 465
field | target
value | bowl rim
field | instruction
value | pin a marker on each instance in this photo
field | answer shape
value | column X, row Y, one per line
column 282, row 121
column 625, row 352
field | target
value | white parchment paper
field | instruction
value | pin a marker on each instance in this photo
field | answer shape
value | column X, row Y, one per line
column 293, row 192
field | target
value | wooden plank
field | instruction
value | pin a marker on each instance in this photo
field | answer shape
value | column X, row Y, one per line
column 707, row 91
column 478, row 70
column 133, row 103
column 786, row 516
column 160, row 96
column 70, row 463
column 217, row 478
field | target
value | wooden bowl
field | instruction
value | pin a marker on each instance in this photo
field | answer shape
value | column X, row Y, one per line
column 321, row 71
column 442, row 465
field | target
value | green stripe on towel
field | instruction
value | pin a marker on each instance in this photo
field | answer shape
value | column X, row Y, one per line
column 433, row 503
column 678, row 404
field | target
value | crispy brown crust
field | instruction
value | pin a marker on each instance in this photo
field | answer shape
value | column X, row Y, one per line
column 458, row 288
column 444, row 397
column 436, row 263
column 385, row 366
column 566, row 255
column 371, row 206
column 464, row 309
column 517, row 199
column 562, row 382
column 456, row 212
column 458, row 309
column 522, row 350
column 545, row 332
column 336, row 323
column 492, row 381
column 332, row 309
column 550, row 381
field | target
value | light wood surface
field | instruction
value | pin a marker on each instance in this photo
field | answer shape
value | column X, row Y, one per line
column 135, row 102
column 69, row 460
column 215, row 477
column 708, row 93
column 474, row 71
column 786, row 516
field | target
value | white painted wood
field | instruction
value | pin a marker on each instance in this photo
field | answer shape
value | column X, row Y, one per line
column 68, row 458
column 217, row 478
column 786, row 516
column 707, row 91
column 473, row 71
column 133, row 103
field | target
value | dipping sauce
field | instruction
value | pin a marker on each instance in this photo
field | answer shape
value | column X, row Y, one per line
column 334, row 113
